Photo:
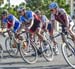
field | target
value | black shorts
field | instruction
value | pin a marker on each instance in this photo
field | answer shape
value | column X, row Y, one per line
column 35, row 26
column 63, row 29
column 49, row 27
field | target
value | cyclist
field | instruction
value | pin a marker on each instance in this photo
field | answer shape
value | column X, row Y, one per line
column 63, row 18
column 32, row 21
column 46, row 26
column 11, row 22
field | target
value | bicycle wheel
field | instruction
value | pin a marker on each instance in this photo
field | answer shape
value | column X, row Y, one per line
column 1, row 51
column 29, row 56
column 47, row 50
column 68, row 51
column 73, row 28
column 12, row 51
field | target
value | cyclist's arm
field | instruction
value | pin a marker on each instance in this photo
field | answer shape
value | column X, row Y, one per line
column 30, row 19
column 63, row 12
column 3, row 23
column 67, row 21
column 52, row 21
column 31, row 23
column 3, row 26
column 45, row 21
column 11, row 21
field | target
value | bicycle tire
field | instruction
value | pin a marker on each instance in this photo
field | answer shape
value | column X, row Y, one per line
column 49, row 56
column 64, row 55
column 11, row 52
column 31, row 56
column 27, row 57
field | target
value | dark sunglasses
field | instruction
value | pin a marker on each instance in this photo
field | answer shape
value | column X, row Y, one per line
column 52, row 10
column 20, row 11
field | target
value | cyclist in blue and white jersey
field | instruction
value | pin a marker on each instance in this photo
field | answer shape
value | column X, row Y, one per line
column 32, row 21
column 10, row 21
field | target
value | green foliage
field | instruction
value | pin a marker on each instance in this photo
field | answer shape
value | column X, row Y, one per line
column 62, row 4
column 1, row 2
column 42, row 5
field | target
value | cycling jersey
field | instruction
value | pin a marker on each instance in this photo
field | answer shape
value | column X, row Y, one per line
column 44, row 19
column 60, row 16
column 28, row 16
column 12, row 21
column 46, row 23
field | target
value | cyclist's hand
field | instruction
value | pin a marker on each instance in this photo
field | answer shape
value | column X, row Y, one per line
column 27, row 29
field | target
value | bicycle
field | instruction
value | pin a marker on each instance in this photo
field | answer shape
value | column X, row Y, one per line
column 19, row 47
column 73, row 28
column 1, row 48
column 47, row 53
column 68, row 48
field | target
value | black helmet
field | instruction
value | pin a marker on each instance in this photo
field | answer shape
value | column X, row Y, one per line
column 5, row 12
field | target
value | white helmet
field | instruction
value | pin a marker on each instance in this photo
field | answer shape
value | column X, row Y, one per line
column 20, row 9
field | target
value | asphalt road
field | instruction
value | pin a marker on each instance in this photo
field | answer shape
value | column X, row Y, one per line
column 8, row 62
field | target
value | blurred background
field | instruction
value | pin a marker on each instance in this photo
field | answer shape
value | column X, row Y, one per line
column 12, row 5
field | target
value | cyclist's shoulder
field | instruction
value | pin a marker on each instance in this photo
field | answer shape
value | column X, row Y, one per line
column 10, row 16
column 61, row 10
column 29, row 12
column 44, row 17
column 21, row 18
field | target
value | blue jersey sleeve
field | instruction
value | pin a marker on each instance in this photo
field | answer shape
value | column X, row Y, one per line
column 4, row 21
column 29, row 15
column 22, row 19
column 10, row 18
